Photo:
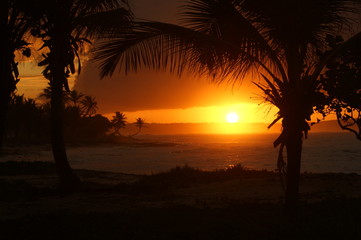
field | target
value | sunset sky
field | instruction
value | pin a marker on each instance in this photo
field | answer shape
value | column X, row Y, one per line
column 159, row 96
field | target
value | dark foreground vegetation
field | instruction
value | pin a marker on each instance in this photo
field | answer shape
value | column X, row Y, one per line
column 183, row 203
column 82, row 123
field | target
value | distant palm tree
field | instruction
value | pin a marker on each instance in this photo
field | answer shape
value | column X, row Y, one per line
column 21, row 116
column 14, row 28
column 139, row 123
column 27, row 121
column 278, row 41
column 46, row 95
column 75, row 97
column 89, row 105
column 118, row 122
column 65, row 27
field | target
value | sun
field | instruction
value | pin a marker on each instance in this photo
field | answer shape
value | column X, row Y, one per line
column 232, row 117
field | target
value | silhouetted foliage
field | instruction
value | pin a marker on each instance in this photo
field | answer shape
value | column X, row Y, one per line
column 139, row 123
column 187, row 176
column 28, row 122
column 89, row 105
column 119, row 121
column 85, row 129
column 75, row 97
column 277, row 41
column 65, row 29
column 14, row 28
column 168, row 209
column 342, row 84
column 46, row 94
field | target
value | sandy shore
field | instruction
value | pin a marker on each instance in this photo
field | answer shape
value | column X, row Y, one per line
column 31, row 189
column 111, row 204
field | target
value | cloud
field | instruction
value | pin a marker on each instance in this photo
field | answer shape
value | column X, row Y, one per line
column 147, row 90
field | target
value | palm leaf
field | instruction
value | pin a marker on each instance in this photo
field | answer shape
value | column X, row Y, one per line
column 162, row 45
column 93, row 25
column 274, row 90
column 231, row 22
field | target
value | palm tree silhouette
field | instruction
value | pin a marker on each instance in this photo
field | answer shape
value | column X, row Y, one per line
column 14, row 27
column 118, row 122
column 46, row 95
column 65, row 27
column 75, row 97
column 232, row 39
column 21, row 109
column 89, row 105
column 139, row 123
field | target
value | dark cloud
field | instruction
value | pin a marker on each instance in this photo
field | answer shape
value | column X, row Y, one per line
column 148, row 90
column 153, row 90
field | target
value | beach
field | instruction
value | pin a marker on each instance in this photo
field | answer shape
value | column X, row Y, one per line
column 180, row 204
column 122, row 200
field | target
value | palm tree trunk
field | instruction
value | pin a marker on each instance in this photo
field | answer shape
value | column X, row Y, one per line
column 4, row 104
column 7, row 86
column 4, row 71
column 294, row 149
column 69, row 182
column 294, row 125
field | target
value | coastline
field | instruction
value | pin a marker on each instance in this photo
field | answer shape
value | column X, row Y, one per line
column 182, row 196
column 323, row 152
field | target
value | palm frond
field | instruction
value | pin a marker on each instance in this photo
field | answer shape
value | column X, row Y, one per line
column 161, row 45
column 275, row 91
column 101, row 5
column 229, row 21
column 93, row 25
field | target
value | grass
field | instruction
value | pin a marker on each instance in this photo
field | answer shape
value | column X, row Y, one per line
column 186, row 176
column 326, row 220
column 11, row 168
column 165, row 206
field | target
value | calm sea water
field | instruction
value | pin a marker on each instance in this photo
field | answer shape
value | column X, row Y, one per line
column 323, row 152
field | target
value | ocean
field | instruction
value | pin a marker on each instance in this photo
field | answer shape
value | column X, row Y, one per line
column 322, row 152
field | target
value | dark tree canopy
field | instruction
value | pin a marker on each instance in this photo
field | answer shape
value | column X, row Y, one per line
column 279, row 41
column 342, row 85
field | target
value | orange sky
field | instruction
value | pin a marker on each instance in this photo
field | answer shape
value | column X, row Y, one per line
column 159, row 96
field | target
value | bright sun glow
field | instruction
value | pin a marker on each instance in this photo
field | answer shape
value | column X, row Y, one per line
column 232, row 117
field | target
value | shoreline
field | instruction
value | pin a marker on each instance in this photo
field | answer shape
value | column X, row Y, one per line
column 231, row 203
column 322, row 153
